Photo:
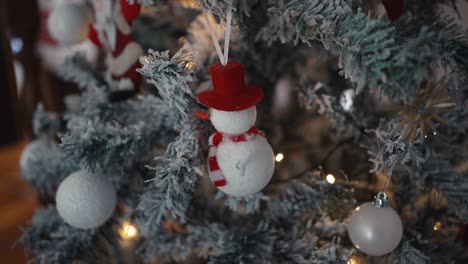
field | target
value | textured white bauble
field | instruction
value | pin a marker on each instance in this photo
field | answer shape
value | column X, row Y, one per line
column 85, row 200
column 68, row 23
column 247, row 166
column 236, row 122
column 375, row 231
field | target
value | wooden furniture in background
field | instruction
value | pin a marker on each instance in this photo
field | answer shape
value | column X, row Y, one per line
column 17, row 204
column 9, row 110
column 21, row 21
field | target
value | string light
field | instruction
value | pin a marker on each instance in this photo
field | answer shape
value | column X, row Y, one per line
column 330, row 179
column 128, row 231
column 189, row 65
column 279, row 157
column 144, row 60
column 353, row 260
column 437, row 226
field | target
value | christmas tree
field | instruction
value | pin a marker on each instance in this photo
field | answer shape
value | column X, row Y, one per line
column 272, row 132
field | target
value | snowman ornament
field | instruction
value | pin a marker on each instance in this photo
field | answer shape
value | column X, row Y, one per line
column 240, row 159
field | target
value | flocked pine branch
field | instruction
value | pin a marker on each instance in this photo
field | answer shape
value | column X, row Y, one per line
column 42, row 163
column 105, row 133
column 330, row 254
column 116, row 136
column 45, row 123
column 171, row 77
column 388, row 153
column 243, row 205
column 221, row 244
column 406, row 253
column 292, row 248
column 219, row 7
column 301, row 197
column 450, row 183
column 427, row 9
column 78, row 70
column 371, row 52
column 247, row 247
column 321, row 95
column 202, row 240
column 170, row 192
column 50, row 240
column 44, row 166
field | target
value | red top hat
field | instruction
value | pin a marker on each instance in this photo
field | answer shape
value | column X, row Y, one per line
column 230, row 93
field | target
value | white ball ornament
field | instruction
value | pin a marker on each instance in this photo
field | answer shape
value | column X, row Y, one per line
column 68, row 23
column 85, row 200
column 375, row 228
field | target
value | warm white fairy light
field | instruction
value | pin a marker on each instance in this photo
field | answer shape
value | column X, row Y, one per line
column 279, row 157
column 145, row 60
column 330, row 179
column 353, row 260
column 128, row 231
column 437, row 226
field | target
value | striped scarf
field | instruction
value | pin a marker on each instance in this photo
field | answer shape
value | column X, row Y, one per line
column 217, row 138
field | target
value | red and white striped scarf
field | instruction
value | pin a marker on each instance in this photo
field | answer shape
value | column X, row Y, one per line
column 217, row 138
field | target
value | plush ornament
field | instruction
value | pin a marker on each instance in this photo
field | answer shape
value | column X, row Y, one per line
column 375, row 228
column 52, row 53
column 394, row 8
column 240, row 160
column 68, row 23
column 112, row 32
column 85, row 200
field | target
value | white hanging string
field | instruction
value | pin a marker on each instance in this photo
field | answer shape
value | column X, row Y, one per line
column 388, row 181
column 227, row 36
column 213, row 37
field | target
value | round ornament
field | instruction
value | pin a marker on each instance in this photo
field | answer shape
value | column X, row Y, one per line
column 68, row 23
column 30, row 155
column 375, row 228
column 85, row 200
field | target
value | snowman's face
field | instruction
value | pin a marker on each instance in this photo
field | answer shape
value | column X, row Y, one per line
column 237, row 122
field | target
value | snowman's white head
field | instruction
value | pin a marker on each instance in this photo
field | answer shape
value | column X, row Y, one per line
column 236, row 122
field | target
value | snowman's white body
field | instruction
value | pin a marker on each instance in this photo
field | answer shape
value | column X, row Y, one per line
column 248, row 165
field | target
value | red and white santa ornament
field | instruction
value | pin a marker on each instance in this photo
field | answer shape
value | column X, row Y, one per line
column 112, row 31
column 62, row 25
column 240, row 159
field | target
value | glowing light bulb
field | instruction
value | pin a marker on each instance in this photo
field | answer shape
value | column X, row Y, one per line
column 279, row 157
column 128, row 231
column 189, row 65
column 144, row 60
column 353, row 260
column 437, row 226
column 330, row 179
